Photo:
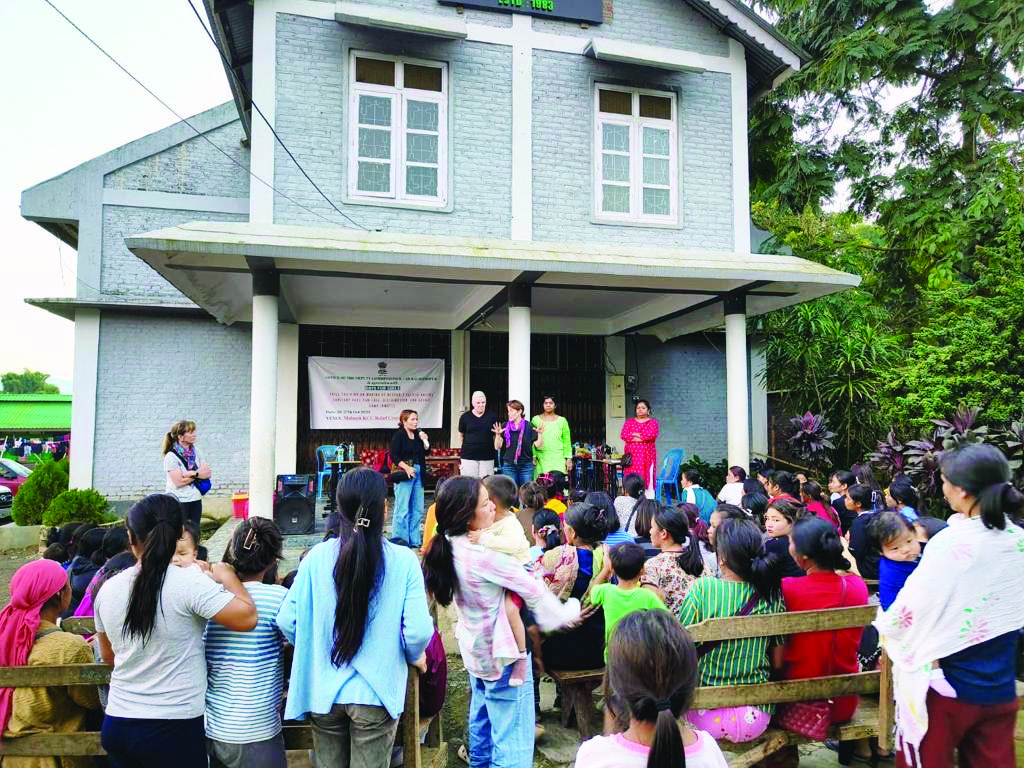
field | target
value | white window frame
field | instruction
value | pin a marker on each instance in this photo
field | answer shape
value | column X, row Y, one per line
column 636, row 125
column 400, row 96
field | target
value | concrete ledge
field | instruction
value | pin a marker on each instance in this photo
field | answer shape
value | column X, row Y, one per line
column 20, row 536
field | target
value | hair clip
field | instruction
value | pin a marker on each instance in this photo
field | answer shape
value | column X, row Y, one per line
column 250, row 540
column 361, row 521
column 547, row 530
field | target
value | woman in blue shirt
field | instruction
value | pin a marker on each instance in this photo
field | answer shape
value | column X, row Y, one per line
column 357, row 615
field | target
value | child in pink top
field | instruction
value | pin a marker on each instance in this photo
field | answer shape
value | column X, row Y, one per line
column 652, row 690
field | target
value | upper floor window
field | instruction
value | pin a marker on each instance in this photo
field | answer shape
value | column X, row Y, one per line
column 398, row 129
column 636, row 175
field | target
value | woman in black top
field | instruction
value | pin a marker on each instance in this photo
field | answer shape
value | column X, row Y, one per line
column 409, row 454
column 518, row 439
column 475, row 429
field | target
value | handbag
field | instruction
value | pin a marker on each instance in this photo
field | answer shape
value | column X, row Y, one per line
column 626, row 461
column 811, row 718
column 398, row 476
column 203, row 486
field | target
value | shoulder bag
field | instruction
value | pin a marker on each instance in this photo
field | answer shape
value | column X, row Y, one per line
column 811, row 718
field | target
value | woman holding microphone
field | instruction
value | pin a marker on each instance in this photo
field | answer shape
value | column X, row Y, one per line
column 409, row 446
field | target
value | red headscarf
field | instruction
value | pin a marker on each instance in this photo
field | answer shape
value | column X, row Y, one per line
column 31, row 586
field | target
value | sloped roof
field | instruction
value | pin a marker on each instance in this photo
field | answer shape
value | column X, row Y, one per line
column 35, row 412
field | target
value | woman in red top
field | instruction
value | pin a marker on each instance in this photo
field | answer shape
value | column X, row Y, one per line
column 639, row 434
column 815, row 545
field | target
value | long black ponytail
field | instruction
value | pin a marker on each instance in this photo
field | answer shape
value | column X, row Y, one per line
column 738, row 543
column 155, row 524
column 455, row 508
column 654, row 687
column 360, row 565
column 673, row 521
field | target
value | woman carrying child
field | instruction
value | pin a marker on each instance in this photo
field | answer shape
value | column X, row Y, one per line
column 357, row 615
column 749, row 586
column 29, row 635
column 501, row 717
column 245, row 669
column 651, row 691
column 150, row 622
column 506, row 535
column 962, row 607
column 671, row 572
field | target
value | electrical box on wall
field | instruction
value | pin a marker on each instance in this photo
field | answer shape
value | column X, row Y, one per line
column 616, row 396
column 631, row 383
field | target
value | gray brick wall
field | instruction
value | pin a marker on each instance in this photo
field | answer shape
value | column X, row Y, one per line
column 193, row 167
column 563, row 120
column 311, row 107
column 671, row 23
column 125, row 274
column 684, row 379
column 156, row 370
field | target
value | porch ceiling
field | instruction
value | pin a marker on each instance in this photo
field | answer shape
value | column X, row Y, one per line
column 347, row 277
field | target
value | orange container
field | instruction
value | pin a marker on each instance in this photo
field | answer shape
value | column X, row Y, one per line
column 240, row 505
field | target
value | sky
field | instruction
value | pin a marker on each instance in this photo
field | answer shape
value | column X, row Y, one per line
column 65, row 103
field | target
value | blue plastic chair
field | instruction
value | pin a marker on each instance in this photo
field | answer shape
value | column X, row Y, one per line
column 324, row 454
column 669, row 476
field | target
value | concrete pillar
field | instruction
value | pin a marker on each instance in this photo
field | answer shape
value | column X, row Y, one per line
column 286, row 438
column 460, row 380
column 263, row 405
column 758, row 399
column 83, row 401
column 519, row 297
column 737, row 396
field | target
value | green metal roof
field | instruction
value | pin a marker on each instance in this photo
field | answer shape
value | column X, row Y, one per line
column 35, row 412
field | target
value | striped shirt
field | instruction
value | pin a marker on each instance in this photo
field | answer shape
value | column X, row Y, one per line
column 245, row 673
column 733, row 662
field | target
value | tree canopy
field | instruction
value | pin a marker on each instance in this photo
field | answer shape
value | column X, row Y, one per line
column 28, row 383
column 914, row 112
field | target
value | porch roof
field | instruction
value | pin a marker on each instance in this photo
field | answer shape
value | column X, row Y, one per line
column 349, row 277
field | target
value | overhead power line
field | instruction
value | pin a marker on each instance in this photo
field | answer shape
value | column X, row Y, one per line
column 256, row 108
column 199, row 133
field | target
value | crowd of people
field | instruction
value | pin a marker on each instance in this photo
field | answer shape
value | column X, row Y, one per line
column 543, row 577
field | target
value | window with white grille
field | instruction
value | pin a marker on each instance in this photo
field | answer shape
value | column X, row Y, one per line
column 398, row 129
column 636, row 175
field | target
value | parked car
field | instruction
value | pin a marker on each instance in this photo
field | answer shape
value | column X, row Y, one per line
column 6, row 500
column 12, row 475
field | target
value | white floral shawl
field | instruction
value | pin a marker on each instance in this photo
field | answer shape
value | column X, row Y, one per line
column 968, row 588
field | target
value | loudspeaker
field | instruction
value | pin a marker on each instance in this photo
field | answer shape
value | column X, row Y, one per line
column 295, row 506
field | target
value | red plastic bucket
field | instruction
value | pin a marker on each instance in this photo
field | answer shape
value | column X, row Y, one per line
column 240, row 505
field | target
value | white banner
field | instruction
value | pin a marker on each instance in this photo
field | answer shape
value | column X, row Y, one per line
column 367, row 393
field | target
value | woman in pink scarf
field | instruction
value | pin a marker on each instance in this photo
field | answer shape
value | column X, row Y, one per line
column 40, row 592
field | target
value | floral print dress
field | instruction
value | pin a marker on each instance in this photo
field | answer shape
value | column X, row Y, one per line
column 663, row 571
column 644, row 453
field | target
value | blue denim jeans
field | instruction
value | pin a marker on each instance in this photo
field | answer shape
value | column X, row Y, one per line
column 521, row 472
column 408, row 514
column 501, row 722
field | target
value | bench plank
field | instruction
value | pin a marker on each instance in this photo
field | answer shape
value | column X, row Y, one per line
column 54, row 675
column 789, row 623
column 716, row 697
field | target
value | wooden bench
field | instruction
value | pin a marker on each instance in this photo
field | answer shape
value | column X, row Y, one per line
column 872, row 718
column 296, row 736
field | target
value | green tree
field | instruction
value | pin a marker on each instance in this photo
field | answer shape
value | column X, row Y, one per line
column 28, row 383
column 906, row 102
column 48, row 481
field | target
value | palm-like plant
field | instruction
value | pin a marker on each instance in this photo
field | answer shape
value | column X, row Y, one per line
column 889, row 456
column 923, row 458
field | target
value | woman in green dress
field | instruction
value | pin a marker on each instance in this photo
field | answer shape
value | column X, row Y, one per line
column 556, row 454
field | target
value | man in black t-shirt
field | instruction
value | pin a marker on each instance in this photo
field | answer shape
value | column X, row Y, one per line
column 477, row 436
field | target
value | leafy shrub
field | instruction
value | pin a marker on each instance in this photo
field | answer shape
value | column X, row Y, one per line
column 40, row 488
column 811, row 439
column 76, row 506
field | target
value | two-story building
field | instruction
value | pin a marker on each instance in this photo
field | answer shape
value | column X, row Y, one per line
column 549, row 195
